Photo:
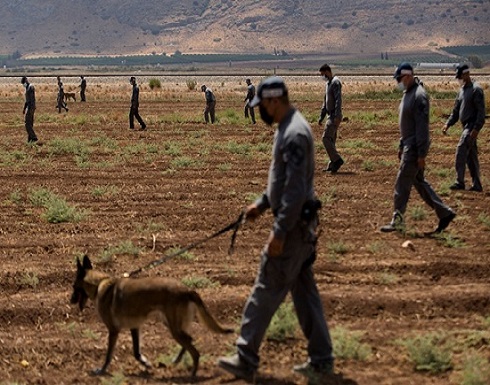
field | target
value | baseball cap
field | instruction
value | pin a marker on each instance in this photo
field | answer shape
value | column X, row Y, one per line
column 462, row 69
column 271, row 87
column 403, row 69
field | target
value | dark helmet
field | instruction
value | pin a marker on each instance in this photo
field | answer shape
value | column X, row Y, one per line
column 402, row 70
column 462, row 69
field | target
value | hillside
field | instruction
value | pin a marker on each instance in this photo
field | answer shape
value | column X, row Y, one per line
column 63, row 27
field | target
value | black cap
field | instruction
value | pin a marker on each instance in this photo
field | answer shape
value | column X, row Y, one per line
column 23, row 80
column 462, row 69
column 403, row 69
column 272, row 87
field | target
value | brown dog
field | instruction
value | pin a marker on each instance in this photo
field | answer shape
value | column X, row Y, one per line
column 69, row 95
column 125, row 303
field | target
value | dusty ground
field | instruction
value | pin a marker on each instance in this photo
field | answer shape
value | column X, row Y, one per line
column 180, row 181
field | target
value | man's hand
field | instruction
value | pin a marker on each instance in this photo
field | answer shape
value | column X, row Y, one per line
column 444, row 129
column 400, row 153
column 252, row 212
column 474, row 134
column 337, row 120
column 421, row 163
column 275, row 246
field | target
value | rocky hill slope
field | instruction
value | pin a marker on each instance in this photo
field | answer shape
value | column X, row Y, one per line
column 67, row 27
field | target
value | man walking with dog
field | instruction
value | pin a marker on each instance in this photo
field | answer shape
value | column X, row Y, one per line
column 135, row 102
column 414, row 145
column 469, row 108
column 288, row 256
column 29, row 109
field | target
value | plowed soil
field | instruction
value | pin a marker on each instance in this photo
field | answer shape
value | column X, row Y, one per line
column 147, row 193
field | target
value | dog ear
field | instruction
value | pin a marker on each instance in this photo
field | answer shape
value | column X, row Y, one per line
column 87, row 265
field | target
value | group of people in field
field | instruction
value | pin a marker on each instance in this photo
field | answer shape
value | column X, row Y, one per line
column 290, row 251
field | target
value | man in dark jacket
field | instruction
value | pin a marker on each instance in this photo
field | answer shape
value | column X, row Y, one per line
column 28, row 111
column 469, row 108
column 133, row 112
column 83, row 87
column 248, row 99
column 209, row 110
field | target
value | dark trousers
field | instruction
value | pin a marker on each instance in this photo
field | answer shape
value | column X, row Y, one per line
column 467, row 155
column 133, row 113
column 82, row 95
column 29, row 122
column 249, row 110
column 410, row 175
column 209, row 111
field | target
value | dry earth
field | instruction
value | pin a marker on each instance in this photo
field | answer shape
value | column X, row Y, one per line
column 180, row 181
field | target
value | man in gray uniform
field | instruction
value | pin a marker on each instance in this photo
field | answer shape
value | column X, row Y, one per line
column 414, row 146
column 29, row 109
column 469, row 108
column 287, row 259
column 83, row 87
column 248, row 99
column 60, row 100
column 209, row 110
column 332, row 106
column 135, row 103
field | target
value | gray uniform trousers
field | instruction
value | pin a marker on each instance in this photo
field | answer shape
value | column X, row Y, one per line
column 29, row 124
column 329, row 139
column 467, row 154
column 410, row 175
column 277, row 276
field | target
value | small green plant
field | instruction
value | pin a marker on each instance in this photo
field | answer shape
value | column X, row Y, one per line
column 386, row 278
column 116, row 379
column 90, row 334
column 418, row 213
column 426, row 354
column 375, row 247
column 284, row 323
column 449, row 241
column 347, row 345
column 338, row 247
column 154, row 83
column 108, row 190
column 191, row 84
column 124, row 248
column 28, row 279
column 199, row 282
column 476, row 371
column 57, row 209
column 15, row 197
column 367, row 165
column 484, row 219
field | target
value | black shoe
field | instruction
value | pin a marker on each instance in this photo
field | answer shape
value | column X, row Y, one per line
column 457, row 186
column 143, row 128
column 336, row 165
column 477, row 189
column 239, row 368
column 444, row 223
column 316, row 374
column 329, row 167
column 396, row 224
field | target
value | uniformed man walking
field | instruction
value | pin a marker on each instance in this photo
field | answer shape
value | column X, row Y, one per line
column 248, row 98
column 60, row 99
column 287, row 259
column 29, row 109
column 332, row 106
column 414, row 145
column 209, row 110
column 83, row 87
column 135, row 102
column 469, row 108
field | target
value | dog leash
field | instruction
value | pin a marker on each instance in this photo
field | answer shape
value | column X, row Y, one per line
column 232, row 226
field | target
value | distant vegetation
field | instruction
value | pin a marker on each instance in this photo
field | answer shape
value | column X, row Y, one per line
column 482, row 51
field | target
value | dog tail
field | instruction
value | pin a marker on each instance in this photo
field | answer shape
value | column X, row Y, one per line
column 206, row 317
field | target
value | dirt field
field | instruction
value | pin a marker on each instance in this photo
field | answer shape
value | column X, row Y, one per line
column 138, row 195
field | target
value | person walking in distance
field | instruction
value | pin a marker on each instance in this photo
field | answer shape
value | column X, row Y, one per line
column 83, row 87
column 248, row 98
column 414, row 145
column 289, row 253
column 29, row 109
column 469, row 108
column 133, row 112
column 209, row 110
column 60, row 99
column 332, row 106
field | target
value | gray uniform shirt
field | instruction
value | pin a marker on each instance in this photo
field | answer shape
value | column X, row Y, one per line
column 413, row 120
column 469, row 107
column 291, row 172
column 135, row 97
column 333, row 98
column 30, row 103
